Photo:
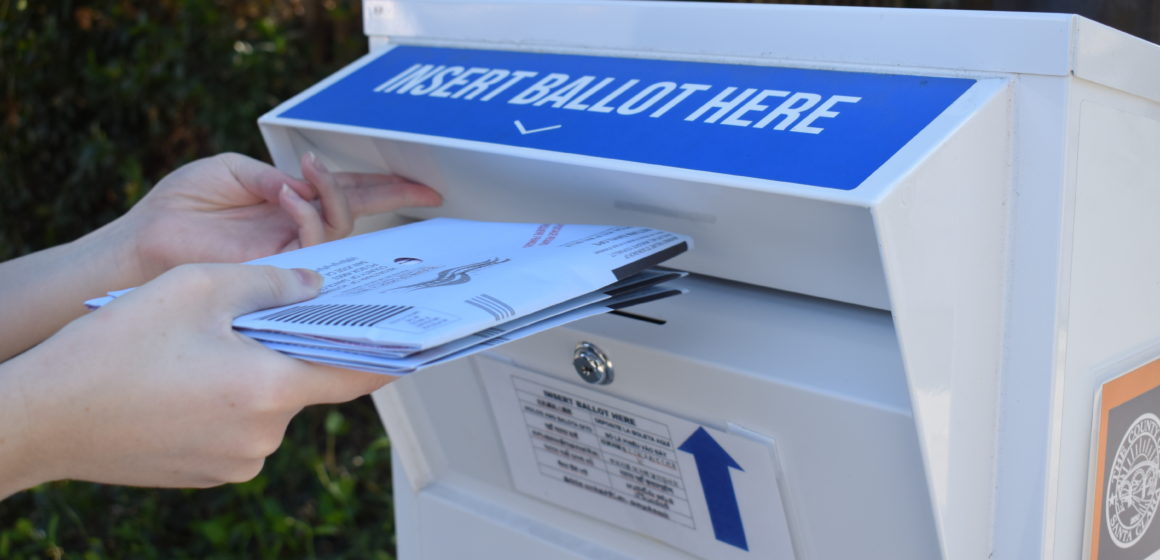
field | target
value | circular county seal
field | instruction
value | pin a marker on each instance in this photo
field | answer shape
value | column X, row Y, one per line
column 1134, row 482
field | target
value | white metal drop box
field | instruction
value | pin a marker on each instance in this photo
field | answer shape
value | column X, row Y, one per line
column 924, row 241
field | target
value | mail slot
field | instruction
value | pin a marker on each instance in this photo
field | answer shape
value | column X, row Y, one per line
column 922, row 260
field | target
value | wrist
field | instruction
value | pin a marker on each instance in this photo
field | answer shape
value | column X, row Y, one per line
column 45, row 290
column 112, row 257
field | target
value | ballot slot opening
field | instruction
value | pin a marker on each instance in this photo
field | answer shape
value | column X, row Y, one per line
column 638, row 317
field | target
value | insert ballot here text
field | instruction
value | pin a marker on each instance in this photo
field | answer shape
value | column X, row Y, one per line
column 815, row 127
column 795, row 111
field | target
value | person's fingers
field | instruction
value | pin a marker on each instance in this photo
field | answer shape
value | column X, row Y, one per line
column 335, row 208
column 354, row 180
column 365, row 193
column 311, row 231
column 390, row 192
column 261, row 179
column 321, row 384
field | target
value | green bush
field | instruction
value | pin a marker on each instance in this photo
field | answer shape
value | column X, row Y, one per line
column 99, row 100
column 324, row 494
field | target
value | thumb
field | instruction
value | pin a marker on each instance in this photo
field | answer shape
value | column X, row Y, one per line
column 242, row 289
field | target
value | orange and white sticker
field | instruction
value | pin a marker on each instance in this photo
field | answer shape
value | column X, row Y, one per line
column 1126, row 489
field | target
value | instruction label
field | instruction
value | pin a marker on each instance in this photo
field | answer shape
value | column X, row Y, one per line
column 813, row 127
column 701, row 490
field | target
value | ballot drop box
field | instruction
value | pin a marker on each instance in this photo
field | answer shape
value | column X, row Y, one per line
column 924, row 292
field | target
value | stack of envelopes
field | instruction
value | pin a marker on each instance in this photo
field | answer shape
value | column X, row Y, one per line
column 401, row 299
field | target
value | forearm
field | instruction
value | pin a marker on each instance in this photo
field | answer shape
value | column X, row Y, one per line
column 43, row 291
column 22, row 465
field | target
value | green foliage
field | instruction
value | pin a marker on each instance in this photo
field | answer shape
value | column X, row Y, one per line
column 99, row 100
column 324, row 494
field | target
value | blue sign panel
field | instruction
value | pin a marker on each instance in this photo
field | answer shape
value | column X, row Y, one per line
column 814, row 127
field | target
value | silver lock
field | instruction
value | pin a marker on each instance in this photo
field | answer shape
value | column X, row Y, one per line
column 592, row 365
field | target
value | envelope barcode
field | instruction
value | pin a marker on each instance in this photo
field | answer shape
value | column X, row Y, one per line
column 341, row 315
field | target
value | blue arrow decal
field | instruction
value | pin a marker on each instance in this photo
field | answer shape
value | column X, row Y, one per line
column 713, row 464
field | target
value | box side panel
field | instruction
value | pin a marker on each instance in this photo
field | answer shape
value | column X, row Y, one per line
column 943, row 232
column 1113, row 279
column 1042, row 133
column 1117, row 60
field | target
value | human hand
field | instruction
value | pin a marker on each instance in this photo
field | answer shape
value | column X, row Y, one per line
column 157, row 389
column 231, row 208
column 227, row 208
